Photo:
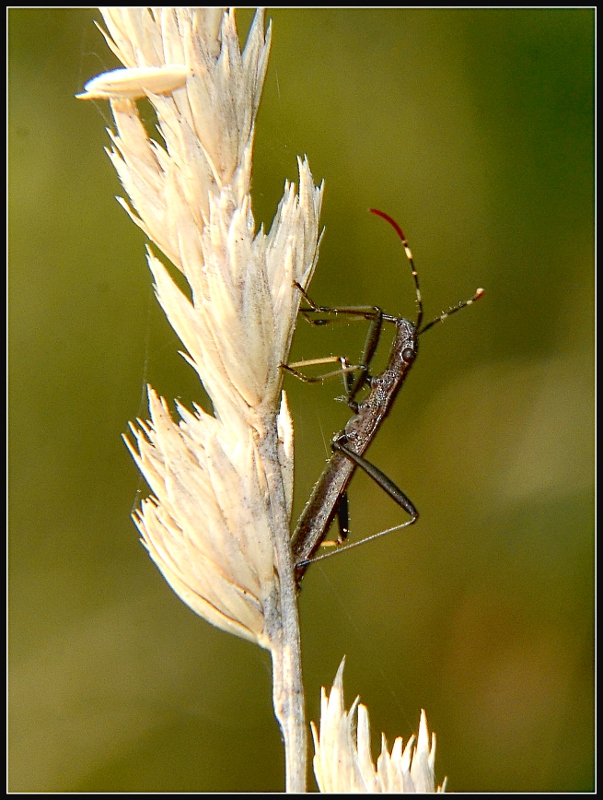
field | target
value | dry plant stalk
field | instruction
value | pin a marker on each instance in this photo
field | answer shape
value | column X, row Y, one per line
column 217, row 521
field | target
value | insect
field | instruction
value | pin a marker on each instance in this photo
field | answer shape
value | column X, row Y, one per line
column 329, row 497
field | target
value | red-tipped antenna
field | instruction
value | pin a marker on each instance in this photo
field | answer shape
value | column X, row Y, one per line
column 479, row 292
column 408, row 252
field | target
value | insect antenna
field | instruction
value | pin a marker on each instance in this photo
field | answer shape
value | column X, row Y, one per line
column 452, row 310
column 408, row 252
column 444, row 315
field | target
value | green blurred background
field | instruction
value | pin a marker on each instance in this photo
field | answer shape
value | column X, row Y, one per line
column 474, row 129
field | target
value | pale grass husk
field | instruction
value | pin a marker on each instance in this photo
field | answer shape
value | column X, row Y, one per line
column 217, row 521
column 209, row 525
column 343, row 762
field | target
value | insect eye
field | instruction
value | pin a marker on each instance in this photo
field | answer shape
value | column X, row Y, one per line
column 408, row 354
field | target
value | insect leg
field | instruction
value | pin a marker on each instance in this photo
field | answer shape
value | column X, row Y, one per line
column 345, row 369
column 387, row 485
column 375, row 316
column 343, row 518
column 343, row 521
column 380, row 478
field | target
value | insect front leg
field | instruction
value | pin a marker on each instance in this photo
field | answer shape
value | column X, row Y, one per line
column 345, row 369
